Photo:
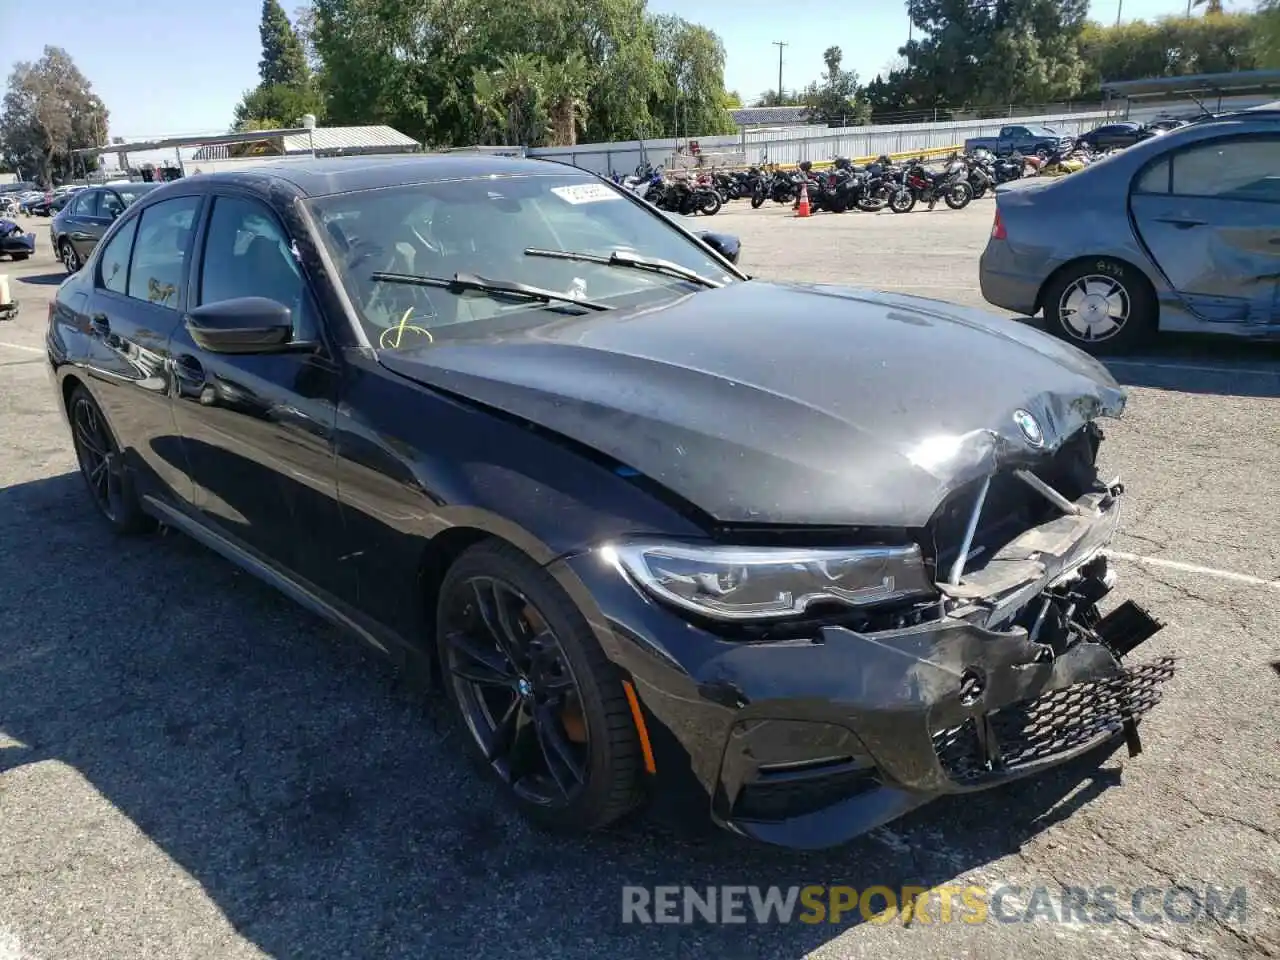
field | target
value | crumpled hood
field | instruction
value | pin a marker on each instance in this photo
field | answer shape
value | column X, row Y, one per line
column 787, row 404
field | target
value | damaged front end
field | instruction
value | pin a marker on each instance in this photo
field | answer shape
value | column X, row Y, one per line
column 1013, row 670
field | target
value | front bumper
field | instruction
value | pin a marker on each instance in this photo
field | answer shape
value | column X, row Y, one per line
column 19, row 243
column 813, row 741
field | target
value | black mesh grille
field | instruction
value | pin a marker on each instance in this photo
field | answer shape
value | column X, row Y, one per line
column 1056, row 723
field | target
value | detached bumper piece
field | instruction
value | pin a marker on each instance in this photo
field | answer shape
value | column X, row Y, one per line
column 1061, row 723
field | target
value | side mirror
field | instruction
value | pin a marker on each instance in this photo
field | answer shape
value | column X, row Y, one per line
column 241, row 325
column 728, row 246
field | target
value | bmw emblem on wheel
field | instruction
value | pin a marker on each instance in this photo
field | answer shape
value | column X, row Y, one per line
column 1030, row 427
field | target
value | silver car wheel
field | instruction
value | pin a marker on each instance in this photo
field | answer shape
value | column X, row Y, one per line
column 1094, row 308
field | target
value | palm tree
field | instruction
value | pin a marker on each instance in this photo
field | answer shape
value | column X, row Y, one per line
column 510, row 101
column 1210, row 6
column 565, row 85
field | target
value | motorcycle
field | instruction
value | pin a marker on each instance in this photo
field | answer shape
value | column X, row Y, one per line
column 921, row 186
column 981, row 175
column 684, row 197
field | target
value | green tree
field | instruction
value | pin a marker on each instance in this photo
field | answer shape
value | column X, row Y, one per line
column 834, row 99
column 1267, row 39
column 273, row 106
column 286, row 91
column 772, row 98
column 1170, row 47
column 692, row 59
column 50, row 110
column 600, row 69
column 284, row 60
column 972, row 52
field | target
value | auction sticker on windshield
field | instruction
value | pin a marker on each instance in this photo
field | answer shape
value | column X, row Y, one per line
column 585, row 193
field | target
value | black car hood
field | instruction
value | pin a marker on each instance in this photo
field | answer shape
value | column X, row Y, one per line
column 786, row 404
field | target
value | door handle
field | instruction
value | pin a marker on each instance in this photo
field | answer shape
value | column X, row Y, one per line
column 1180, row 223
column 80, row 235
column 100, row 324
column 189, row 370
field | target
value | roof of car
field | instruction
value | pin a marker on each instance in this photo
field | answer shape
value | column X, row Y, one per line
column 322, row 176
column 129, row 185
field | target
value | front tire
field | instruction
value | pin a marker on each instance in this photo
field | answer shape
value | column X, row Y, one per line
column 544, row 708
column 1103, row 306
column 711, row 205
column 102, row 466
column 902, row 201
column 958, row 196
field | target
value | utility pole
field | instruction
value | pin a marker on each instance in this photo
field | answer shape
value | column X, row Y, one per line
column 780, row 44
column 1119, row 10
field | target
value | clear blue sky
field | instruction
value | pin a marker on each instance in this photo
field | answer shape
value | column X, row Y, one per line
column 179, row 67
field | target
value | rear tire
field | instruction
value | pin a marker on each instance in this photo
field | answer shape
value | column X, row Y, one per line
column 590, row 715
column 711, row 205
column 757, row 200
column 1103, row 306
column 103, row 468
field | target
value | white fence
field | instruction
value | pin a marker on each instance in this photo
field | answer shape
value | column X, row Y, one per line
column 791, row 145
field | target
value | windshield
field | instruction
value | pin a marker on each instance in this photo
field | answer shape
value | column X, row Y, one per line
column 1044, row 132
column 481, row 229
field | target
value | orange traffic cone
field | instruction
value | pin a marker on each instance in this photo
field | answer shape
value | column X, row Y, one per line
column 803, row 210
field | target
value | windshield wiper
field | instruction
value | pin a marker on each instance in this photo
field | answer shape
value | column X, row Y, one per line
column 616, row 259
column 461, row 282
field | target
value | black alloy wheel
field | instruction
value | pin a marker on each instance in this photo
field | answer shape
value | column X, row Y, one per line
column 535, row 691
column 102, row 466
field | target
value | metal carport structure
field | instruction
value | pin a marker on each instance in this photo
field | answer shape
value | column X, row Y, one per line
column 178, row 144
column 1193, row 86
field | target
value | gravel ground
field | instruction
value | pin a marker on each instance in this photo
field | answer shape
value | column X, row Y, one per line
column 191, row 766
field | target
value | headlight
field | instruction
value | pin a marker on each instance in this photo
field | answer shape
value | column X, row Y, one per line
column 749, row 583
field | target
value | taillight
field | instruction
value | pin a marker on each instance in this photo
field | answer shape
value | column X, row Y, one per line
column 997, row 228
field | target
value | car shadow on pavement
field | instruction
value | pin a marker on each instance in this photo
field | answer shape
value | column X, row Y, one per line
column 324, row 803
column 1186, row 363
column 45, row 279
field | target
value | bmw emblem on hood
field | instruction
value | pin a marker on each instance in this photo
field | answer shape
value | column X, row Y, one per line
column 1030, row 427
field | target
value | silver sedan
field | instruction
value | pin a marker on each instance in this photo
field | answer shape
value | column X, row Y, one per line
column 1177, row 233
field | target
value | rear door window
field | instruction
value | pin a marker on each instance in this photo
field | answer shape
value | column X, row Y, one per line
column 158, row 270
column 113, row 264
column 1241, row 168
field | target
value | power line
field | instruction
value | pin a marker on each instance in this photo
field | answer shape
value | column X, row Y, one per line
column 780, row 44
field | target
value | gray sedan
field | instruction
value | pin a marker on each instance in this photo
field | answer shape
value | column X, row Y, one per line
column 1177, row 233
column 79, row 225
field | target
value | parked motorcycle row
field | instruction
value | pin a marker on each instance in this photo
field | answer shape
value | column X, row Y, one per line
column 898, row 186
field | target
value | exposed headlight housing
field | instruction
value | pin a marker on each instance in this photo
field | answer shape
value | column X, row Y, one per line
column 757, row 583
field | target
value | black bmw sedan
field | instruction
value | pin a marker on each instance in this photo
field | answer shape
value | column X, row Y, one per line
column 799, row 558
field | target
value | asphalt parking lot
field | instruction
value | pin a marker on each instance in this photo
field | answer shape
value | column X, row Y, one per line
column 191, row 766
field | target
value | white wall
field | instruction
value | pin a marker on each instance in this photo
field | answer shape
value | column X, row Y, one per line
column 791, row 145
